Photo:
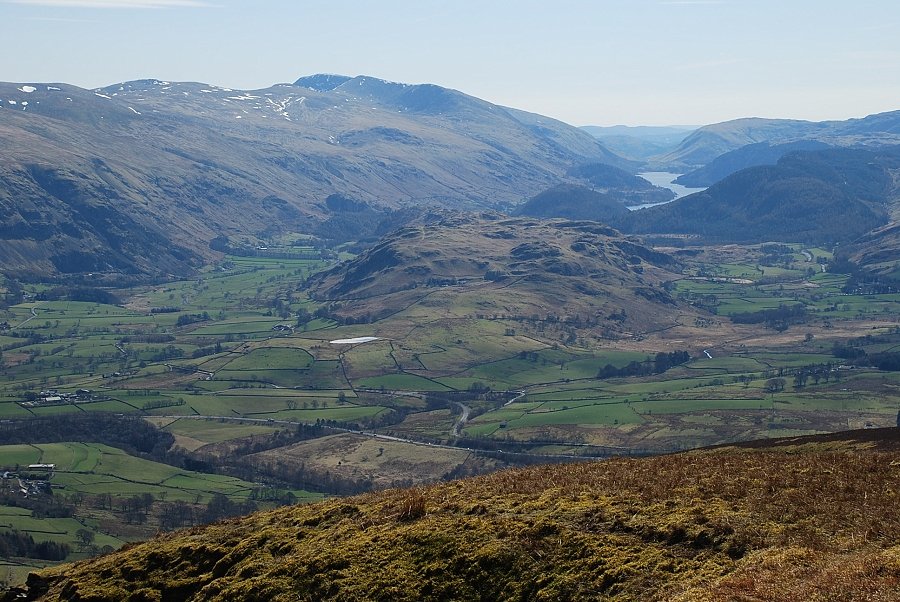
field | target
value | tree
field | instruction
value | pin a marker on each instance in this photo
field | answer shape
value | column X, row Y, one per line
column 774, row 385
column 85, row 537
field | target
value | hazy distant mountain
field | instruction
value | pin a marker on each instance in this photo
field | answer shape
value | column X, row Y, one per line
column 709, row 142
column 820, row 197
column 640, row 142
column 138, row 177
column 761, row 153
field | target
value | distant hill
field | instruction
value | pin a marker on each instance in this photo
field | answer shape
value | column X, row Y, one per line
column 711, row 141
column 821, row 197
column 761, row 153
column 810, row 518
column 134, row 180
column 639, row 142
column 574, row 202
column 500, row 265
column 620, row 184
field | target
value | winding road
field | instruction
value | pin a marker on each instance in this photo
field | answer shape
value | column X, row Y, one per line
column 33, row 316
column 463, row 418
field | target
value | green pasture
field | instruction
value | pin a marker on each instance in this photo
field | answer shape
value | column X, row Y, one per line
column 372, row 358
column 271, row 358
column 9, row 409
column 246, row 327
column 600, row 413
column 400, row 382
column 212, row 431
column 322, row 374
column 346, row 413
column 728, row 364
column 691, row 406
column 546, row 366
column 738, row 270
column 93, row 468
column 60, row 530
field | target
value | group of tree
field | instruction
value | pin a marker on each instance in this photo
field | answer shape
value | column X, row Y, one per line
column 779, row 319
column 862, row 282
column 79, row 293
column 814, row 372
column 45, row 506
column 656, row 365
column 888, row 361
column 185, row 319
column 14, row 543
column 129, row 433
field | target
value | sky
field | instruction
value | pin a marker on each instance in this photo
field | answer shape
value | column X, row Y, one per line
column 586, row 62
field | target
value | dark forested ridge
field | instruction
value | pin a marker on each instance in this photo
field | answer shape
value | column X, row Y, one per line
column 761, row 153
column 818, row 197
column 571, row 201
column 620, row 184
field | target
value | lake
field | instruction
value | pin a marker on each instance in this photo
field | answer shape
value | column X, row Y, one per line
column 665, row 179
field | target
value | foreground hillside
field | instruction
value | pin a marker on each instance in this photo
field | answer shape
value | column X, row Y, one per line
column 803, row 519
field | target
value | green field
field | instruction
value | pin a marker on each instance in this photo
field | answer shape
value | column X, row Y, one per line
column 86, row 474
column 95, row 469
column 237, row 356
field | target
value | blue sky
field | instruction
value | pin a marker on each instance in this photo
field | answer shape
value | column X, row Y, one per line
column 601, row 62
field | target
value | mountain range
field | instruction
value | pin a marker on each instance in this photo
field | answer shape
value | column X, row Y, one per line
column 709, row 142
column 760, row 153
column 640, row 143
column 137, row 178
column 135, row 181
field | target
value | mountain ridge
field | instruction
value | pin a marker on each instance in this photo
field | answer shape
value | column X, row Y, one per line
column 193, row 161
column 711, row 141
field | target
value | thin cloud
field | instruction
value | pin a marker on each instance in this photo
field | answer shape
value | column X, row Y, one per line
column 59, row 20
column 115, row 3
column 710, row 64
column 692, row 2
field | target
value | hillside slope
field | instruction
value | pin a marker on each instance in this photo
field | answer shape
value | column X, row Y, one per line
column 465, row 265
column 806, row 519
column 761, row 153
column 820, row 197
column 139, row 177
